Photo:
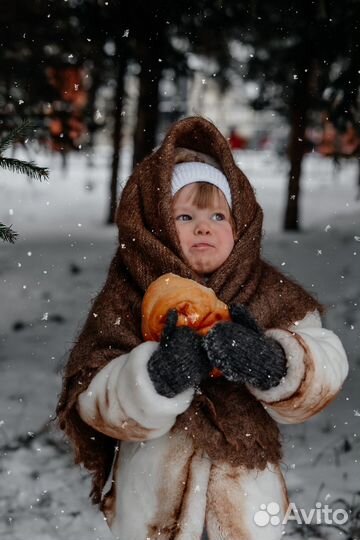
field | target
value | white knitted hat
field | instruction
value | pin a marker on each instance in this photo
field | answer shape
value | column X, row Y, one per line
column 193, row 171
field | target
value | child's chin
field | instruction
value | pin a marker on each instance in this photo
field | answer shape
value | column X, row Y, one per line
column 203, row 264
column 203, row 269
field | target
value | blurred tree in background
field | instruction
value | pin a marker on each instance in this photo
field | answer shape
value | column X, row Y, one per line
column 306, row 60
column 58, row 57
column 42, row 77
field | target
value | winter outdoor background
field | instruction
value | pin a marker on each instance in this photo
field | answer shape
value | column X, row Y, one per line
column 48, row 278
column 101, row 80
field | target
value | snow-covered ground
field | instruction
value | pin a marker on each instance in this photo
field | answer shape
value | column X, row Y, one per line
column 48, row 278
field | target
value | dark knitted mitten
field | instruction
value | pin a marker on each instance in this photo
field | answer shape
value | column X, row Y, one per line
column 180, row 361
column 243, row 353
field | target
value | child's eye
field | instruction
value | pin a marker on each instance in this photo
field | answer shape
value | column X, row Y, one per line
column 218, row 216
column 183, row 217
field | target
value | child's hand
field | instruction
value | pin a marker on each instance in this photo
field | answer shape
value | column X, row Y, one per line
column 180, row 361
column 243, row 353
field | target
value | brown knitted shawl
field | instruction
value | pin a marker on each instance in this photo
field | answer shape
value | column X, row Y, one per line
column 225, row 420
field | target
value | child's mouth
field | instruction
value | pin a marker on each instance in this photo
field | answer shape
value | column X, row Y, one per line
column 202, row 246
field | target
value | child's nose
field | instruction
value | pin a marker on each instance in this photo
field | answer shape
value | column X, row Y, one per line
column 202, row 227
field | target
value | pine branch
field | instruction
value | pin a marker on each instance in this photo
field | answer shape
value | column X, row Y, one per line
column 15, row 134
column 24, row 167
column 7, row 234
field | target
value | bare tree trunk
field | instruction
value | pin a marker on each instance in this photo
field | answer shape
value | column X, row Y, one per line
column 90, row 113
column 297, row 147
column 148, row 103
column 119, row 92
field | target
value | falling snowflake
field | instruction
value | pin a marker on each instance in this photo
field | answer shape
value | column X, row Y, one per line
column 356, row 412
column 45, row 317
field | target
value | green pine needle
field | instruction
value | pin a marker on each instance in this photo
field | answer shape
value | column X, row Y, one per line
column 24, row 167
column 15, row 134
column 7, row 234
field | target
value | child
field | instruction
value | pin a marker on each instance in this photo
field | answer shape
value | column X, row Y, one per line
column 174, row 452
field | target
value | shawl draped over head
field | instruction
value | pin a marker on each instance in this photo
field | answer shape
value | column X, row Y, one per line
column 221, row 415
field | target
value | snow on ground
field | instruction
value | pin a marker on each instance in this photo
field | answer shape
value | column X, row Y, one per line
column 48, row 279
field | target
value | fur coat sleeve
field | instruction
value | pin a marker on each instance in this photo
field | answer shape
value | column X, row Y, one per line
column 316, row 369
column 121, row 400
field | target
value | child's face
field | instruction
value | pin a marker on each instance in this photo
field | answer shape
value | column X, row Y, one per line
column 206, row 235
